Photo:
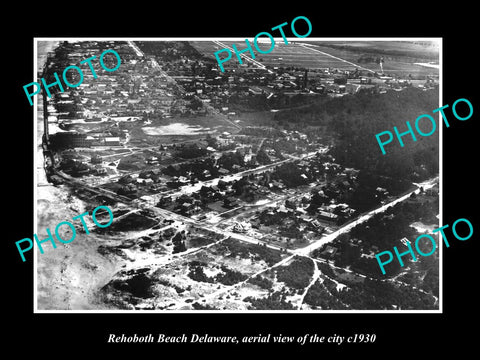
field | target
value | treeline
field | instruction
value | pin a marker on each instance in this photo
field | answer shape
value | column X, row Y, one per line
column 226, row 277
column 255, row 252
column 275, row 301
column 318, row 297
column 355, row 119
column 385, row 231
column 169, row 50
column 370, row 295
column 261, row 102
column 392, row 52
column 297, row 274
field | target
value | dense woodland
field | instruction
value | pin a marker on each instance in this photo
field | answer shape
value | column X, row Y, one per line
column 274, row 301
column 370, row 295
column 297, row 274
column 169, row 50
column 356, row 119
column 384, row 231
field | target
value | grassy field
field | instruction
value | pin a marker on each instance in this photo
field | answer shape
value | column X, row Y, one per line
column 205, row 47
column 420, row 50
column 299, row 56
column 399, row 56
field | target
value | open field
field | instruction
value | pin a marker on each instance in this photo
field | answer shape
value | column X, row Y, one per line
column 299, row 56
column 399, row 56
column 421, row 50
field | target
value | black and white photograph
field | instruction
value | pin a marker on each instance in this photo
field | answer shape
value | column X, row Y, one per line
column 220, row 179
column 258, row 188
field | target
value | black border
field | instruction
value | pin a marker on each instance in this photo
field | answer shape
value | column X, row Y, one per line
column 405, row 333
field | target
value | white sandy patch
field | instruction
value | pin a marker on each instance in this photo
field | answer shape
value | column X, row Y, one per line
column 175, row 129
column 211, row 272
column 422, row 228
column 435, row 66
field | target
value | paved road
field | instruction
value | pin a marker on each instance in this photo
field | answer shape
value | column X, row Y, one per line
column 330, row 237
column 242, row 237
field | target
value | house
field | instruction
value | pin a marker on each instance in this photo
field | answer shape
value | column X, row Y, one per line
column 329, row 251
column 276, row 184
column 370, row 255
column 112, row 141
column 152, row 160
column 328, row 217
column 165, row 201
column 100, row 171
column 127, row 179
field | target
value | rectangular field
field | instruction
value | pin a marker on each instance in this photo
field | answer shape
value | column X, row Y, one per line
column 399, row 56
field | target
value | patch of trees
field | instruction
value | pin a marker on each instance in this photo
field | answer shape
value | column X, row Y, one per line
column 274, row 301
column 74, row 167
column 198, row 306
column 178, row 243
column 297, row 274
column 318, row 297
column 272, row 219
column 211, row 141
column 255, row 251
column 370, row 267
column 290, row 174
column 376, row 294
column 138, row 285
column 196, row 272
column 228, row 160
column 259, row 102
column 131, row 162
column 169, row 50
column 261, row 282
column 229, row 276
column 326, row 269
column 355, row 119
column 316, row 201
column 195, row 104
column 385, row 229
column 131, row 222
column 191, row 151
column 226, row 277
column 263, row 158
column 330, row 285
column 196, row 167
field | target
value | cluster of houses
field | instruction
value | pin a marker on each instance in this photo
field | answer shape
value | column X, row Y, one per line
column 137, row 88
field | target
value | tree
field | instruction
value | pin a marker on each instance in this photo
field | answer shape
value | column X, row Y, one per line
column 178, row 243
column 262, row 157
column 211, row 141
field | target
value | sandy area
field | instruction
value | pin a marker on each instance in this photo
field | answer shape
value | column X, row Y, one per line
column 69, row 276
column 175, row 129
